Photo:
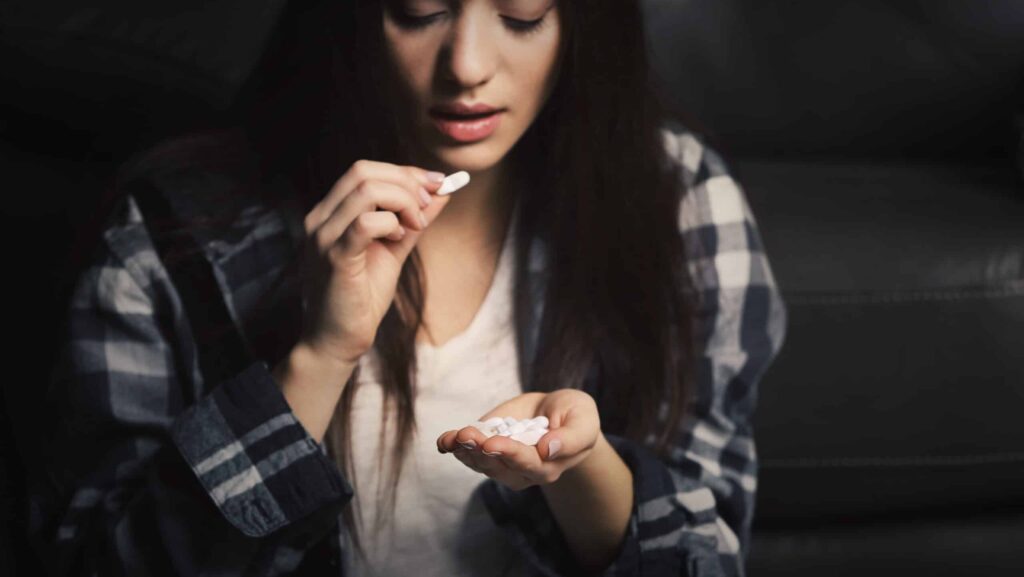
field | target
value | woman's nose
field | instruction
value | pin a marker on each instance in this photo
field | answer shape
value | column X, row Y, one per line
column 471, row 53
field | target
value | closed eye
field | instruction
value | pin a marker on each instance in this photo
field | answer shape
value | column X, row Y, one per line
column 414, row 22
column 523, row 26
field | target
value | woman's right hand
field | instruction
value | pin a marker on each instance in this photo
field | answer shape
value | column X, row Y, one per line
column 354, row 250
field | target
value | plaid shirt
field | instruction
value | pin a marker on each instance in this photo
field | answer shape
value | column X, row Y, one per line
column 156, row 472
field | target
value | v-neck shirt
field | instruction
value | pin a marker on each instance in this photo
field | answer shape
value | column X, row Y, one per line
column 441, row 526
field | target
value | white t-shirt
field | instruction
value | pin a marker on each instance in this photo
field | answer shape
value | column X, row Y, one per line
column 440, row 526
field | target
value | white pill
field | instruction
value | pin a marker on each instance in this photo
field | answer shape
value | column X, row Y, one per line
column 541, row 420
column 493, row 422
column 530, row 437
column 517, row 428
column 502, row 429
column 453, row 182
column 510, row 420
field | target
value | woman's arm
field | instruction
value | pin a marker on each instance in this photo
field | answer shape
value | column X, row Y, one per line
column 312, row 386
column 138, row 482
column 592, row 503
column 692, row 512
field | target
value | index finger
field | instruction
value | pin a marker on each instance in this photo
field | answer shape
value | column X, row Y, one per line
column 411, row 178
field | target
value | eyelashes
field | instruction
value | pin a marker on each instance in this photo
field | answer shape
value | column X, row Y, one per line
column 523, row 27
column 518, row 27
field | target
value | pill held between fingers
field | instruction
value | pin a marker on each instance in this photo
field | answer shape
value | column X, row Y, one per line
column 453, row 182
column 541, row 420
column 517, row 428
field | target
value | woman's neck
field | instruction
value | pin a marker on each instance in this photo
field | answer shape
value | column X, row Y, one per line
column 476, row 215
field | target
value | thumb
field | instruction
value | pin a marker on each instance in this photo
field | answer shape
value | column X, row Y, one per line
column 566, row 439
column 573, row 429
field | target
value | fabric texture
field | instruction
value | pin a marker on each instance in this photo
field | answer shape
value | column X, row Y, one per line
column 155, row 471
column 442, row 527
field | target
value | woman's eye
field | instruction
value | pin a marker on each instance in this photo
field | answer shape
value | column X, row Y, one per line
column 523, row 26
column 413, row 21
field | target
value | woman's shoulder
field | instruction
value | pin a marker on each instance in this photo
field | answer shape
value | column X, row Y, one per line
column 725, row 250
column 713, row 199
column 200, row 188
column 198, row 175
column 125, row 242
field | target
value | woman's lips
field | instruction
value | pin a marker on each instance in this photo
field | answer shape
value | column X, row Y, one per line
column 467, row 128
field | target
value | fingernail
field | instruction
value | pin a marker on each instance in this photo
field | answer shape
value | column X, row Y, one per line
column 435, row 176
column 423, row 220
column 425, row 197
column 494, row 454
column 470, row 444
column 553, row 448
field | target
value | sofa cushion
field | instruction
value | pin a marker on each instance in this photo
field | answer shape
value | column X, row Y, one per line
column 854, row 77
column 938, row 546
column 901, row 383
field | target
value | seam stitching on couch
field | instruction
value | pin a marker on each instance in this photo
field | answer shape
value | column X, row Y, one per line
column 915, row 460
column 1013, row 289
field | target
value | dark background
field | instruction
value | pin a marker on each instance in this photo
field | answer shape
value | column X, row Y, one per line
column 878, row 143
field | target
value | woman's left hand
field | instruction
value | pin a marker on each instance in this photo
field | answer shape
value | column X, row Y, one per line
column 573, row 422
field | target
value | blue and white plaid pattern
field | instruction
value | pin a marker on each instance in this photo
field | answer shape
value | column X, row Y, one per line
column 693, row 514
column 156, row 472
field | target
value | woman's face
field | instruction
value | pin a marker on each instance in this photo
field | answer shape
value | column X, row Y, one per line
column 502, row 54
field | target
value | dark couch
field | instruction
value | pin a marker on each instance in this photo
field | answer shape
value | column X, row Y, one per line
column 876, row 142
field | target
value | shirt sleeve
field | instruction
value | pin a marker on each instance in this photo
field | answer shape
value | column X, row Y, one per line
column 692, row 513
column 141, row 481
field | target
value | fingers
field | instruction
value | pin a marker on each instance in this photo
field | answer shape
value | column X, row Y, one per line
column 367, row 199
column 466, row 437
column 574, row 424
column 521, row 458
column 411, row 179
column 516, row 455
column 369, row 226
column 517, row 465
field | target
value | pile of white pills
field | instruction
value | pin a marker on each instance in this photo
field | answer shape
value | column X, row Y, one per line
column 526, row 431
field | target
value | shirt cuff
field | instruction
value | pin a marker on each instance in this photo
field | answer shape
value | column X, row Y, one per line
column 253, row 457
column 657, row 541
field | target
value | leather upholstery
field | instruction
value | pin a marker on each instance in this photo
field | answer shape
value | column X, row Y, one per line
column 876, row 142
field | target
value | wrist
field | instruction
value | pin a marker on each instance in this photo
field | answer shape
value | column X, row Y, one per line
column 306, row 371
column 305, row 359
column 590, row 467
column 312, row 384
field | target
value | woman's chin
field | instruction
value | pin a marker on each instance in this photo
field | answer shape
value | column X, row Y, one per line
column 479, row 160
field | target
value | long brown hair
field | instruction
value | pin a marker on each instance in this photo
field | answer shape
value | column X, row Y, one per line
column 604, row 199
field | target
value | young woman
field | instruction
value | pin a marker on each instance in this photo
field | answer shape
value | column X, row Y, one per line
column 601, row 269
